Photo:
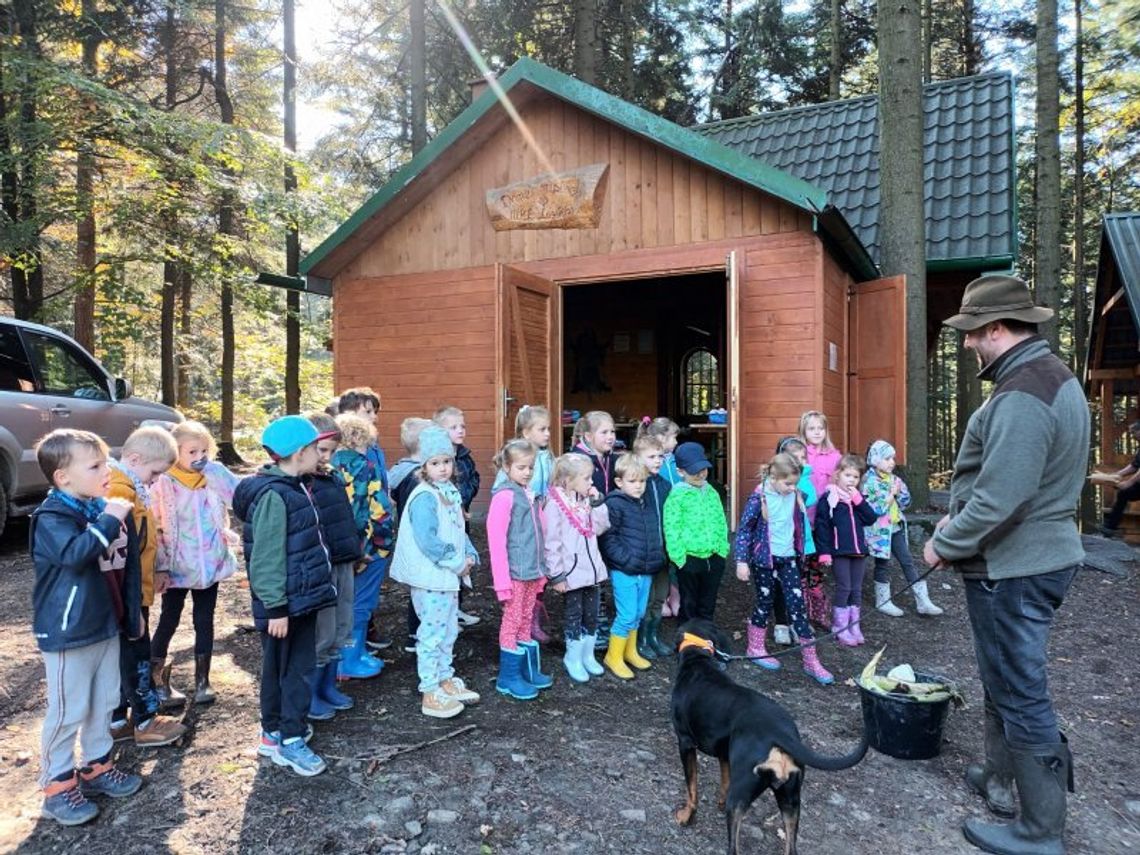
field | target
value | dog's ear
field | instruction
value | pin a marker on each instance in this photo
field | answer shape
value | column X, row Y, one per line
column 720, row 639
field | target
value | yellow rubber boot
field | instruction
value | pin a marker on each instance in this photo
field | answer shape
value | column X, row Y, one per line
column 615, row 660
column 632, row 656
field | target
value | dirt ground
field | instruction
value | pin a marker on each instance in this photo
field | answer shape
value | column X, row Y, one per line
column 584, row 769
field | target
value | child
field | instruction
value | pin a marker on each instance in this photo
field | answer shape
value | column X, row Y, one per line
column 338, row 530
column 597, row 443
column 83, row 598
column 888, row 497
column 573, row 563
column 651, row 453
column 365, row 490
column 466, row 477
column 404, row 476
column 634, row 551
column 770, row 546
column 794, row 446
column 290, row 582
column 822, row 457
column 514, row 538
column 146, row 454
column 195, row 548
column 696, row 534
column 432, row 553
column 841, row 516
column 665, row 431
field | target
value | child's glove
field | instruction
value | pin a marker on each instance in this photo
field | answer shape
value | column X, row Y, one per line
column 742, row 571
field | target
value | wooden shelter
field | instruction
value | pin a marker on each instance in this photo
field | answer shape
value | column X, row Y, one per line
column 557, row 245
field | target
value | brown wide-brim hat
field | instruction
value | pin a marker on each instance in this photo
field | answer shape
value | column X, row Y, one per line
column 996, row 297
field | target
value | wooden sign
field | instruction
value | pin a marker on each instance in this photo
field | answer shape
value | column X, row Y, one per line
column 556, row 200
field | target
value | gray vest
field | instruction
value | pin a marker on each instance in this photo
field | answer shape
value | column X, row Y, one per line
column 525, row 549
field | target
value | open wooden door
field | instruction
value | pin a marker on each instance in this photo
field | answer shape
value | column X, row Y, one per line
column 876, row 377
column 527, row 348
column 732, row 379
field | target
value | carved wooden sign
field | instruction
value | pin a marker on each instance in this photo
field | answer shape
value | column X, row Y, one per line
column 556, row 200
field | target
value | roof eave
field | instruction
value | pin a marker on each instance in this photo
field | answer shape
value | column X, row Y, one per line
column 979, row 263
column 835, row 226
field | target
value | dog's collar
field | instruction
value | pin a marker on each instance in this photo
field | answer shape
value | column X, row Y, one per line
column 690, row 640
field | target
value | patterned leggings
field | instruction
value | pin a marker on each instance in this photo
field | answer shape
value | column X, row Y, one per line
column 518, row 612
column 787, row 572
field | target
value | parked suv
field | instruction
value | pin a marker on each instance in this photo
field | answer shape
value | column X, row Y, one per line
column 48, row 381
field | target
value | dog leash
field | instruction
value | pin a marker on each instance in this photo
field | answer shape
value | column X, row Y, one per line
column 733, row 657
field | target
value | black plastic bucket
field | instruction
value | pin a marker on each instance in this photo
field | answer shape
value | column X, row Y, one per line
column 902, row 727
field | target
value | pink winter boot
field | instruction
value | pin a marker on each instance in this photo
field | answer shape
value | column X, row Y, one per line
column 839, row 620
column 536, row 630
column 856, row 631
column 757, row 652
column 814, row 669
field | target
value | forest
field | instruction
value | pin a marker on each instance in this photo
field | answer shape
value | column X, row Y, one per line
column 153, row 195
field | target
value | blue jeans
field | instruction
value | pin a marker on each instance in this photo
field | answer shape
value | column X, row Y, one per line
column 631, row 598
column 366, row 590
column 1011, row 619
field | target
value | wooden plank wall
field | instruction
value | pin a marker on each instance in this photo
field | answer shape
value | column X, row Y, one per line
column 654, row 198
column 422, row 342
column 836, row 284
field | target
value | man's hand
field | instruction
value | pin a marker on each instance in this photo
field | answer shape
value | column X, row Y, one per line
column 118, row 508
column 279, row 627
column 742, row 571
column 932, row 558
column 942, row 523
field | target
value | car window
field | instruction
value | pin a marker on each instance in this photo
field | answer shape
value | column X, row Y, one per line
column 63, row 371
column 15, row 372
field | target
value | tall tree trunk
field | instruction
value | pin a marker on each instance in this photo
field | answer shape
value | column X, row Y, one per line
column 171, row 388
column 586, row 40
column 1080, row 298
column 292, row 238
column 835, row 72
column 971, row 47
column 903, row 222
column 9, row 176
column 28, row 276
column 83, row 310
column 927, row 40
column 185, row 320
column 1047, row 245
column 627, row 25
column 227, row 225
column 419, row 75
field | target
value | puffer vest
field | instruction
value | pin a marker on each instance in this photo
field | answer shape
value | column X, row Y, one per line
column 308, row 571
column 337, row 522
column 525, row 548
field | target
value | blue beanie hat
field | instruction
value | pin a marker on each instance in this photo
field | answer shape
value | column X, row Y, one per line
column 879, row 451
column 435, row 442
column 288, row 435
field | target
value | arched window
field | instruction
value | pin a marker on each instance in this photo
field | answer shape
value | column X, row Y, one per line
column 701, row 378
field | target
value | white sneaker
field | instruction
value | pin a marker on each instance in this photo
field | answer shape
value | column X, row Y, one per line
column 781, row 634
column 466, row 619
column 457, row 690
column 439, row 704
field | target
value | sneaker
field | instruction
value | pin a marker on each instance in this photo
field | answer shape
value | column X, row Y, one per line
column 438, row 704
column 122, row 730
column 65, row 803
column 456, row 689
column 268, row 744
column 299, row 757
column 160, row 730
column 376, row 641
column 104, row 779
column 781, row 634
column 466, row 619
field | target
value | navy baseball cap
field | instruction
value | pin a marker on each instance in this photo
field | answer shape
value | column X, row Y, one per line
column 690, row 456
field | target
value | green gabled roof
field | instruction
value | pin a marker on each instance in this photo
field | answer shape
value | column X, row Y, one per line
column 694, row 146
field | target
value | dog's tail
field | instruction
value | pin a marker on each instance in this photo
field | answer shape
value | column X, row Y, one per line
column 802, row 754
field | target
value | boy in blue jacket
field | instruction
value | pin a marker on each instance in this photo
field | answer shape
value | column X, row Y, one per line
column 88, row 587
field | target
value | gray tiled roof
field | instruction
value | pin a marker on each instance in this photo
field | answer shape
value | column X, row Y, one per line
column 1122, row 240
column 968, row 161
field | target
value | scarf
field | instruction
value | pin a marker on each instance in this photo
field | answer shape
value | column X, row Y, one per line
column 188, row 478
column 836, row 494
column 448, row 491
column 140, row 488
column 574, row 514
column 91, row 509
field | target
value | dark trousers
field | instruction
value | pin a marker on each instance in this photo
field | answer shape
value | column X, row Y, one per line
column 173, row 599
column 849, row 572
column 900, row 549
column 1011, row 619
column 285, row 666
column 783, row 577
column 136, row 689
column 581, row 612
column 1120, row 505
column 699, row 581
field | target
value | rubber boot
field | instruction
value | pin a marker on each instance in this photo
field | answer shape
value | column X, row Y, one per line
column 319, row 708
column 537, row 629
column 839, row 620
column 644, row 647
column 203, row 694
column 532, row 666
column 993, row 780
column 355, row 662
column 856, row 630
column 653, row 627
column 573, row 661
column 328, row 691
column 922, row 600
column 883, row 600
column 589, row 662
column 1043, row 773
column 814, row 669
column 510, row 681
column 615, row 658
column 168, row 697
column 633, row 655
column 757, row 652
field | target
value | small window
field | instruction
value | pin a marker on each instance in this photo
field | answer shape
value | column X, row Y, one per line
column 63, row 371
column 702, row 382
column 15, row 371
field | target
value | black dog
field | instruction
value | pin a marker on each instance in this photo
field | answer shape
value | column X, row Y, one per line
column 754, row 737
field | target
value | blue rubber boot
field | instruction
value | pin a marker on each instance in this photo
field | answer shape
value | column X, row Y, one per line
column 319, row 708
column 328, row 691
column 532, row 666
column 355, row 662
column 511, row 682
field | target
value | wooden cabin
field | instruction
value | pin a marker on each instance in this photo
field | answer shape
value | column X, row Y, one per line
column 557, row 245
column 1112, row 365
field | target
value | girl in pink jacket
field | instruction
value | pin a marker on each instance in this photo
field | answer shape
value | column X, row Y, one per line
column 822, row 457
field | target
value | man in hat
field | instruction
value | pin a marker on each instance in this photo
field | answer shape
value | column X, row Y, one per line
column 1012, row 534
